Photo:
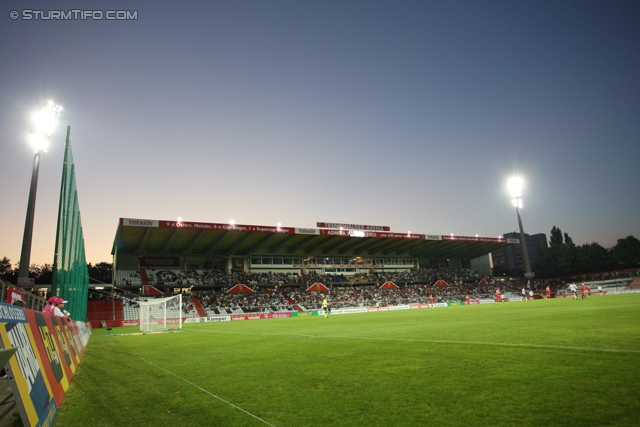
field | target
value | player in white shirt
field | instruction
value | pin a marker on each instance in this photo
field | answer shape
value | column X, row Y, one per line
column 573, row 288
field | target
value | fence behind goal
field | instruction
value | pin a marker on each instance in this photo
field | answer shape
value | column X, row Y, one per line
column 161, row 314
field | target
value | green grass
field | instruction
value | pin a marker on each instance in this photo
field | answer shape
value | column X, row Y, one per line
column 536, row 363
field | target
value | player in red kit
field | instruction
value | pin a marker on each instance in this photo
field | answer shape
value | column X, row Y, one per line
column 431, row 300
column 589, row 290
column 467, row 300
column 548, row 291
column 584, row 295
column 498, row 299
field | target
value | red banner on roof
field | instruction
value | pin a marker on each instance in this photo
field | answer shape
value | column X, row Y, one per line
column 353, row 226
column 441, row 283
column 474, row 239
column 204, row 226
column 356, row 231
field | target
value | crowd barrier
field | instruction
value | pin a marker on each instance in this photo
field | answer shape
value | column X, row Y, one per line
column 48, row 351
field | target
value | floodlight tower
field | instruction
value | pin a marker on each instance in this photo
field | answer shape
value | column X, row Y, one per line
column 44, row 122
column 515, row 187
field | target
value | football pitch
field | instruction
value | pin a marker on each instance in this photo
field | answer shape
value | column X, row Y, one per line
column 532, row 363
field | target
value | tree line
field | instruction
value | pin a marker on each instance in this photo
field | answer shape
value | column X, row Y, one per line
column 43, row 274
column 564, row 258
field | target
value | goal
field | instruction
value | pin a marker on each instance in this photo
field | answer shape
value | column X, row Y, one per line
column 161, row 314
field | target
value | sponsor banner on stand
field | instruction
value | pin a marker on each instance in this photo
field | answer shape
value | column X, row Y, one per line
column 276, row 315
column 399, row 307
column 427, row 305
column 304, row 313
column 344, row 311
column 130, row 322
column 625, row 291
column 487, row 301
column 474, row 301
column 385, row 308
column 248, row 316
column 207, row 319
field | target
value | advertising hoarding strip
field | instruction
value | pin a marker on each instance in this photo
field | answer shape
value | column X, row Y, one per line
column 48, row 352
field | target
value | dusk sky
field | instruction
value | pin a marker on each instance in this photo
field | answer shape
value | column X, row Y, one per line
column 411, row 115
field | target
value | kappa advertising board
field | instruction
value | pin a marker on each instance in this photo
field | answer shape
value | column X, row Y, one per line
column 207, row 319
column 48, row 352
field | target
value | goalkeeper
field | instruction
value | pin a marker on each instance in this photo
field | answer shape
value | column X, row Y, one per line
column 326, row 308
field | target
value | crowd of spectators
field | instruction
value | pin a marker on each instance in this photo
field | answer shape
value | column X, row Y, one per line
column 422, row 276
column 220, row 302
column 289, row 292
column 188, row 278
column 275, row 292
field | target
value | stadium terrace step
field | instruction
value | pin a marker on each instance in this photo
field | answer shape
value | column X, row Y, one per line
column 635, row 283
column 293, row 303
column 143, row 276
column 198, row 306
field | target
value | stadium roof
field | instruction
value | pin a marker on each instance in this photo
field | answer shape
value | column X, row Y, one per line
column 146, row 237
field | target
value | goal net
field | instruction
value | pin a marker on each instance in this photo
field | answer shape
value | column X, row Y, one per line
column 161, row 314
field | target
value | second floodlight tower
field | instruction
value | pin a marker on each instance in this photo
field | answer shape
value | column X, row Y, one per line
column 44, row 122
column 515, row 188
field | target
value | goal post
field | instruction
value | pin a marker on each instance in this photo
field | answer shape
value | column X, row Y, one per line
column 161, row 314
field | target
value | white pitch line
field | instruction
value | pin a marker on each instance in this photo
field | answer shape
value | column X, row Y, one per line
column 206, row 391
column 497, row 344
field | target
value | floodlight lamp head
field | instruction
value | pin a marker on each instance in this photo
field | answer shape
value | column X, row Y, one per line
column 515, row 187
column 44, row 123
column 38, row 142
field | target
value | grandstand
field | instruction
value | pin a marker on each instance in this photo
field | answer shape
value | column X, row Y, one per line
column 148, row 246
column 279, row 267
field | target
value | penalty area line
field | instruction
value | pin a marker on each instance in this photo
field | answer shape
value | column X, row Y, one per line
column 497, row 344
column 206, row 391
